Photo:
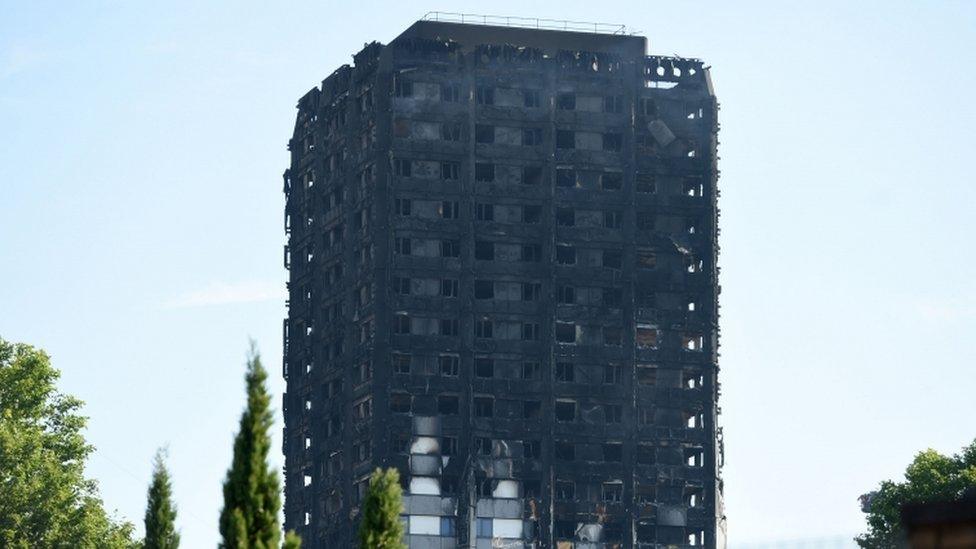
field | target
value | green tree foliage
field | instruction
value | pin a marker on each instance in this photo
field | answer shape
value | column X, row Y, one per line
column 45, row 499
column 160, row 510
column 381, row 527
column 930, row 477
column 249, row 519
column 292, row 541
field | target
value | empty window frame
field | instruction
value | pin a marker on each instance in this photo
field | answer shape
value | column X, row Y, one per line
column 647, row 336
column 484, row 172
column 565, row 254
column 448, row 405
column 566, row 332
column 565, row 372
column 565, row 410
column 449, row 365
column 450, row 248
column 485, row 95
column 484, row 367
column 484, row 406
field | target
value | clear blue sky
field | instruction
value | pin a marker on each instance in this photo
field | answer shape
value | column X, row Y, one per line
column 141, row 152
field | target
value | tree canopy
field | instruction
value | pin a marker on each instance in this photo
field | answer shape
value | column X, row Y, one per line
column 930, row 477
column 45, row 499
column 381, row 527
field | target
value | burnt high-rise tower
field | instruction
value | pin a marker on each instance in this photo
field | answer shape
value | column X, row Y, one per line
column 502, row 252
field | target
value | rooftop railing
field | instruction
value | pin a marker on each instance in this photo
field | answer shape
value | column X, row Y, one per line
column 525, row 22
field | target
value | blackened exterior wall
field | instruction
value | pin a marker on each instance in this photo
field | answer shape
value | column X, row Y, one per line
column 503, row 281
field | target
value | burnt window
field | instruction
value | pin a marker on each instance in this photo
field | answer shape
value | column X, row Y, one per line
column 485, row 212
column 482, row 446
column 612, row 141
column 531, row 370
column 401, row 363
column 484, row 172
column 484, row 250
column 448, row 405
column 401, row 285
column 612, row 219
column 612, row 373
column 645, row 454
column 612, row 413
column 449, row 287
column 565, row 217
column 449, row 209
column 564, row 450
column 403, row 206
column 450, row 93
column 485, row 95
column 484, row 367
column 647, row 106
column 565, row 255
column 484, row 289
column 450, row 248
column 531, row 291
column 401, row 444
column 611, row 181
column 647, row 374
column 451, row 131
column 613, row 103
column 450, row 365
column 645, row 220
column 565, row 139
column 531, row 136
column 450, row 171
column 483, row 133
column 647, row 336
column 612, row 297
column 402, row 246
column 531, row 252
column 401, row 324
column 613, row 452
column 565, row 332
column 484, row 406
column 531, row 98
column 531, row 213
column 566, row 295
column 645, row 183
column 565, row 410
column 402, row 167
column 449, row 446
column 613, row 492
column 566, row 491
column 484, row 328
column 401, row 403
column 530, row 331
column 448, row 326
column 565, row 177
column 531, row 409
column 612, row 258
column 403, row 88
column 485, row 491
column 565, row 371
column 612, row 335
column 566, row 101
column 531, row 449
column 531, row 175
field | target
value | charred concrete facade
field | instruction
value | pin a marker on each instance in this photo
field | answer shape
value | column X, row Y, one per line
column 503, row 281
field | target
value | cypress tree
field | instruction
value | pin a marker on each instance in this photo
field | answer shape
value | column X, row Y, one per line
column 249, row 519
column 381, row 527
column 160, row 510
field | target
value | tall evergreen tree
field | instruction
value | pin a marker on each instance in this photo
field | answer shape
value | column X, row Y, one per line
column 160, row 510
column 249, row 519
column 381, row 527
